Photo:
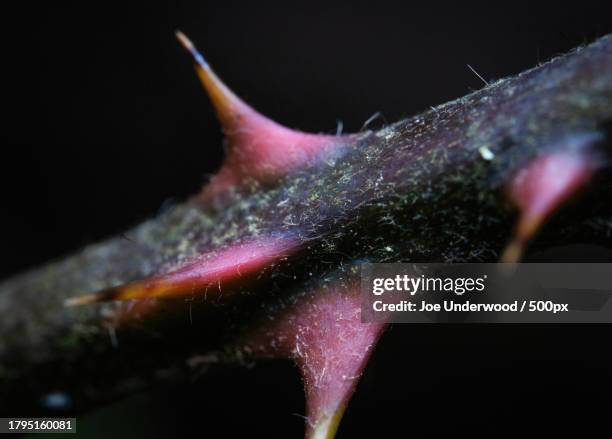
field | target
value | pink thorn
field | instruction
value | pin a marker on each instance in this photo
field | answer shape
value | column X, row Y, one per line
column 257, row 147
column 545, row 184
column 324, row 335
column 215, row 269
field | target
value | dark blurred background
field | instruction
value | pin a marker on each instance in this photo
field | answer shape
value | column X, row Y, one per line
column 104, row 123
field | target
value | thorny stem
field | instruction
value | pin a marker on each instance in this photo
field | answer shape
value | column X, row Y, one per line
column 418, row 189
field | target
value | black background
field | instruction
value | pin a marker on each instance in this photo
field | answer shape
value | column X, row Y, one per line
column 104, row 121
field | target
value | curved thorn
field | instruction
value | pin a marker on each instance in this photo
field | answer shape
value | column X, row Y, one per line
column 548, row 182
column 258, row 148
column 214, row 269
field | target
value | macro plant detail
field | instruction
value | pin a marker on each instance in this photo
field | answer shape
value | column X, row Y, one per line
column 264, row 260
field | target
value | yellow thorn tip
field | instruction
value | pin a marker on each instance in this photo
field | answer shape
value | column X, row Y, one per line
column 327, row 426
column 81, row 300
column 223, row 99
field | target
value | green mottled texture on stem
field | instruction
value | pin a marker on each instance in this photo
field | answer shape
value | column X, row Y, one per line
column 419, row 189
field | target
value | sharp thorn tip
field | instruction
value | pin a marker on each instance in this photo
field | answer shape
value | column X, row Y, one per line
column 78, row 301
column 190, row 47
